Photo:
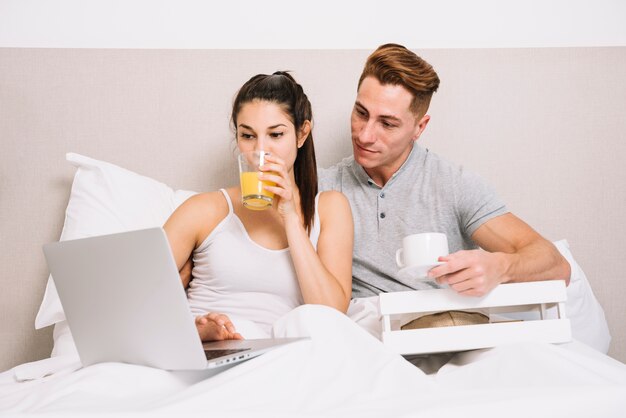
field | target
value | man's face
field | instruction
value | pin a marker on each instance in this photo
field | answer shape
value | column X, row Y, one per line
column 383, row 128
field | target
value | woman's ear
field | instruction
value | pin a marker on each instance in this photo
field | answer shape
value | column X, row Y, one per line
column 305, row 130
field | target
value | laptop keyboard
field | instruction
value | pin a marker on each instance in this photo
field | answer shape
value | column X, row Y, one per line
column 211, row 354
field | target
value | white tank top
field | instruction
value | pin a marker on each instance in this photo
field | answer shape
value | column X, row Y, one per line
column 234, row 275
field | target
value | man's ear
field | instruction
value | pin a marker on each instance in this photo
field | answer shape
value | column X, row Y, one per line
column 420, row 126
column 305, row 130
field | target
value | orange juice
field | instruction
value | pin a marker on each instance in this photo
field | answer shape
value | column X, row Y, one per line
column 254, row 196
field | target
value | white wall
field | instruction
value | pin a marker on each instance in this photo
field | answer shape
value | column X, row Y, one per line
column 311, row 24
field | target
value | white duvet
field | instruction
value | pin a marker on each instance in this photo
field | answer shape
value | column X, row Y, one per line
column 341, row 371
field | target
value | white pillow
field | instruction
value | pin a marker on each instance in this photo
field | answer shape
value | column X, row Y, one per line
column 104, row 199
column 582, row 308
column 586, row 316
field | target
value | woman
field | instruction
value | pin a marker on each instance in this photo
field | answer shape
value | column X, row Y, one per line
column 259, row 265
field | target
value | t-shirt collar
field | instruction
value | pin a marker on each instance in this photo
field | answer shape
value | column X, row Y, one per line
column 365, row 178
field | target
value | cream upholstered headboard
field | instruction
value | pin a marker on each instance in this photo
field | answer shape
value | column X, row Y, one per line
column 544, row 126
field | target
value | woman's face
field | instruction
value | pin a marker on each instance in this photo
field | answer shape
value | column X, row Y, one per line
column 265, row 126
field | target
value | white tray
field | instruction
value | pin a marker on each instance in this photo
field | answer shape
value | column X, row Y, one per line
column 513, row 297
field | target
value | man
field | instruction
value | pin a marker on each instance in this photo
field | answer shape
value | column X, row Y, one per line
column 397, row 188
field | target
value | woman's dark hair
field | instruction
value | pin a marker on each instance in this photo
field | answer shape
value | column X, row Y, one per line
column 282, row 89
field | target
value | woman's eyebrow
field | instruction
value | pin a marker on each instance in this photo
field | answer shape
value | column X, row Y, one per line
column 241, row 125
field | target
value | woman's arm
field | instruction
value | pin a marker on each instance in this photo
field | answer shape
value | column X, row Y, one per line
column 186, row 229
column 185, row 272
column 325, row 276
column 190, row 224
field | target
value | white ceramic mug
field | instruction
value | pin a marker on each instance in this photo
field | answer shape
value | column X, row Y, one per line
column 422, row 249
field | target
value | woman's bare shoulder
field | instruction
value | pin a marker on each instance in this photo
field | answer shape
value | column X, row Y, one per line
column 208, row 206
column 332, row 197
column 332, row 203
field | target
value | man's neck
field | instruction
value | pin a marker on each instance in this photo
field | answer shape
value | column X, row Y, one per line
column 382, row 174
column 379, row 175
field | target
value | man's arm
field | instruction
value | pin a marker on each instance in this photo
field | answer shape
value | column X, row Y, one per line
column 511, row 252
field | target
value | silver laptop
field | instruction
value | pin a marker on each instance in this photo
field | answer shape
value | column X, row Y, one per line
column 124, row 302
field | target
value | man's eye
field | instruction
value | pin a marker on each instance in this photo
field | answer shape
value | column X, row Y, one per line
column 360, row 113
column 388, row 125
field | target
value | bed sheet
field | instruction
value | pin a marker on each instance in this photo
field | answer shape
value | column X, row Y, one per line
column 341, row 371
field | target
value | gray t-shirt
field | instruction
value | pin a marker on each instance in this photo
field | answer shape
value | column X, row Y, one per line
column 427, row 194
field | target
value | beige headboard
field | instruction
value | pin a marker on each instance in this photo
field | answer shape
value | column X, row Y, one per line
column 545, row 126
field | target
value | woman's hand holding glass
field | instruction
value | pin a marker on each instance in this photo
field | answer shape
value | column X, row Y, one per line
column 274, row 170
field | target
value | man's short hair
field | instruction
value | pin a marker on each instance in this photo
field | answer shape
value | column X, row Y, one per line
column 396, row 65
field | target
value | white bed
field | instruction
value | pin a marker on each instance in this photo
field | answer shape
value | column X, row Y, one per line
column 341, row 371
column 164, row 114
column 344, row 370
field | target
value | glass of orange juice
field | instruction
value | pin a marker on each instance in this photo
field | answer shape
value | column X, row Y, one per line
column 253, row 195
